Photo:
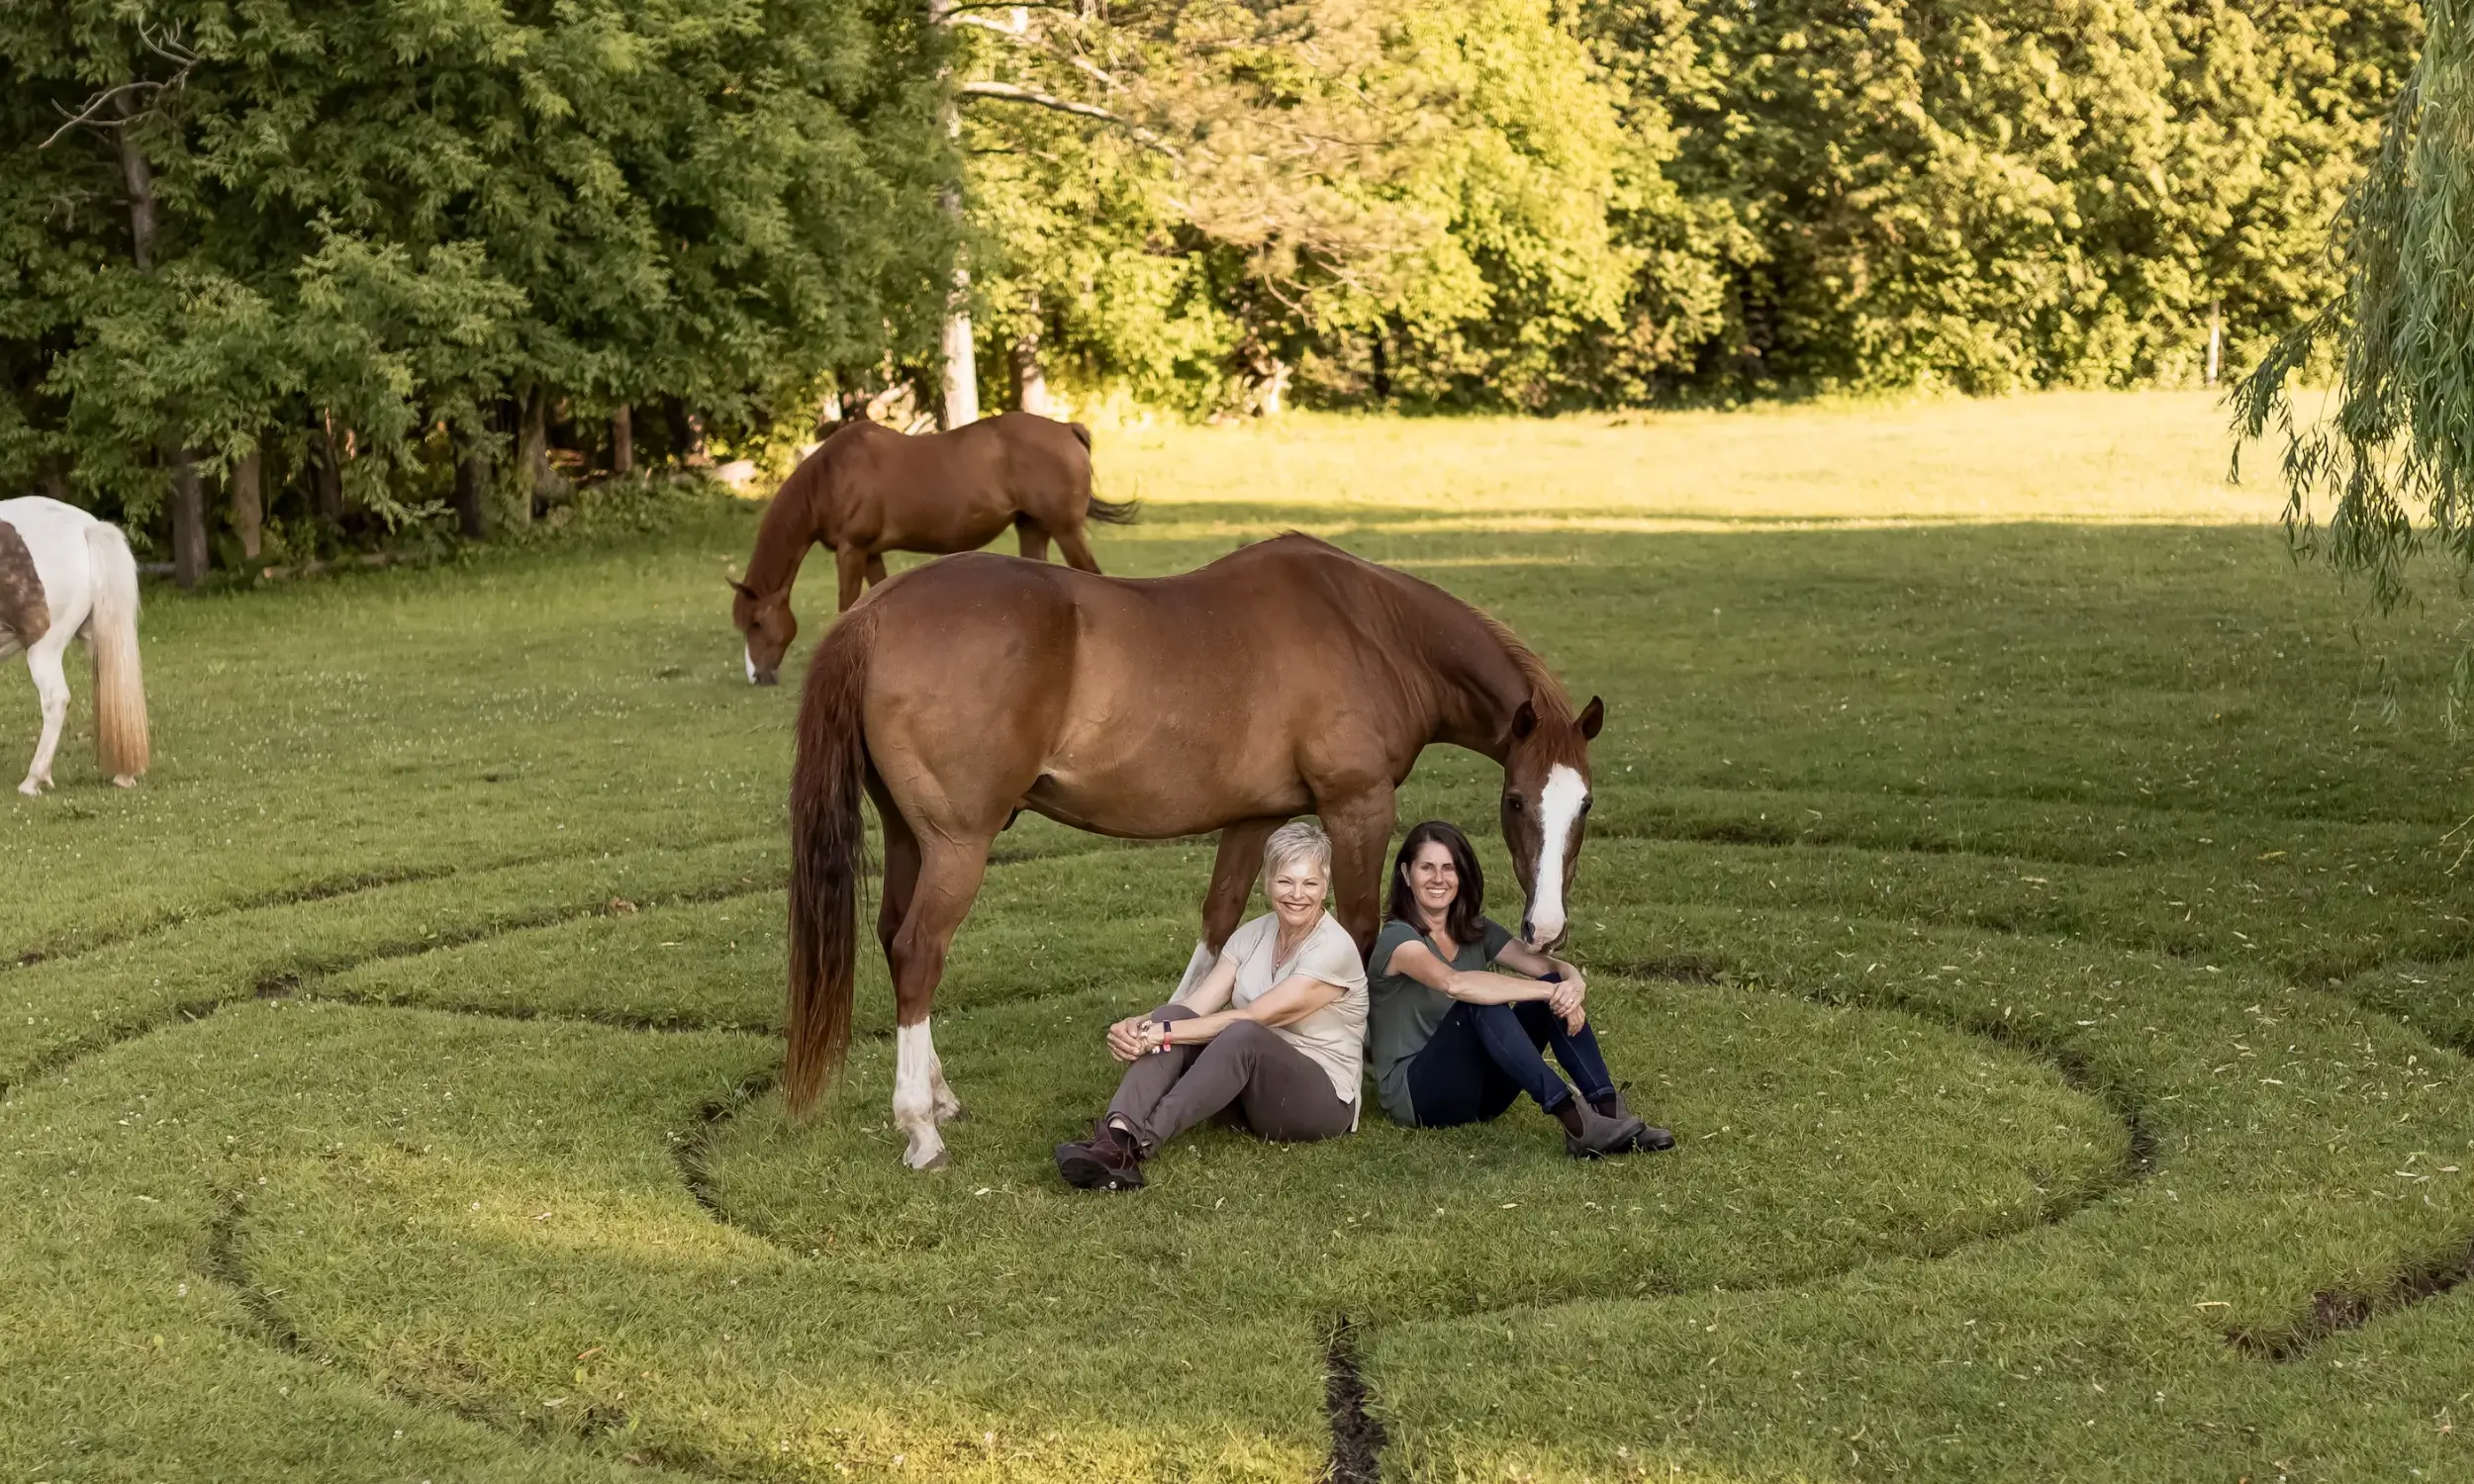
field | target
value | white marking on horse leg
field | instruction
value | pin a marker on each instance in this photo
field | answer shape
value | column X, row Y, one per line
column 1559, row 812
column 914, row 1096
column 750, row 656
column 1195, row 968
column 43, row 661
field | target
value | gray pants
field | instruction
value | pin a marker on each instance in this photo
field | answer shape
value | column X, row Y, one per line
column 1273, row 1087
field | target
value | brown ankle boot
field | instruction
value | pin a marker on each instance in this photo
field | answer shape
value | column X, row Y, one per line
column 1108, row 1159
column 1651, row 1138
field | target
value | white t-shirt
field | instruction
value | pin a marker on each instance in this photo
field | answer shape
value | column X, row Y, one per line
column 1333, row 1037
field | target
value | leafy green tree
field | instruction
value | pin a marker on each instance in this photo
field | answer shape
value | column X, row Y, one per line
column 2390, row 470
column 380, row 239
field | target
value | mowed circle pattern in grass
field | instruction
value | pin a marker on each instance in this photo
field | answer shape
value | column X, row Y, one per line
column 2050, row 970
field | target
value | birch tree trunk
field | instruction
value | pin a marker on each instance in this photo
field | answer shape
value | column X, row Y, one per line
column 1030, row 378
column 962, row 371
column 623, row 441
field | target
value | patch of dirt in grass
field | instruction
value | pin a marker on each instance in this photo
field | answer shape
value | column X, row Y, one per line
column 2332, row 1312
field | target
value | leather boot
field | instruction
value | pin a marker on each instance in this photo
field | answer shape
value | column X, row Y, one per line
column 1651, row 1138
column 1597, row 1136
column 1108, row 1161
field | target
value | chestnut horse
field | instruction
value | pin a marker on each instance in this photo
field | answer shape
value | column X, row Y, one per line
column 1288, row 677
column 870, row 490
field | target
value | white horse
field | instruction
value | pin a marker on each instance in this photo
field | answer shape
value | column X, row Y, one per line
column 62, row 572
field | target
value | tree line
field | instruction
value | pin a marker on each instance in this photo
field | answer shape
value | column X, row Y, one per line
column 297, row 274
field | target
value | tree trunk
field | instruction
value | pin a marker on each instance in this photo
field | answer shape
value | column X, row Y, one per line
column 188, row 520
column 248, row 503
column 140, row 175
column 327, row 471
column 532, row 453
column 1030, row 379
column 962, row 371
column 188, row 499
column 472, row 487
column 623, row 441
column 1275, row 390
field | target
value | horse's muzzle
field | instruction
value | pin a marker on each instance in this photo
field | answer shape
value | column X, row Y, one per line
column 763, row 677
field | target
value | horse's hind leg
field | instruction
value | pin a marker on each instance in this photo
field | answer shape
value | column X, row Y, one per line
column 51, row 689
column 901, row 884
column 948, row 880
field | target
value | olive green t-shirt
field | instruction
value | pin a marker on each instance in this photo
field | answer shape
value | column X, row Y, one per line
column 1403, row 1013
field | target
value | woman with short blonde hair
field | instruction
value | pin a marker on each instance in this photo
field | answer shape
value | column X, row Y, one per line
column 1274, row 1033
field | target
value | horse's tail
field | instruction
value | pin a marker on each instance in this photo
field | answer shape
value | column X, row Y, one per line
column 120, row 687
column 1112, row 512
column 828, row 853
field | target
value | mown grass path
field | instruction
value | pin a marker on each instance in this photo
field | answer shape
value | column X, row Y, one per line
column 2055, row 970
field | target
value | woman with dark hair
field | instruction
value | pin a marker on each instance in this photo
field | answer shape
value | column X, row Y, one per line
column 1451, row 1043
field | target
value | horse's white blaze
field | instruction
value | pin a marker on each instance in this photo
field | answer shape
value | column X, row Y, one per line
column 1559, row 812
column 750, row 656
column 916, row 1075
column 1195, row 968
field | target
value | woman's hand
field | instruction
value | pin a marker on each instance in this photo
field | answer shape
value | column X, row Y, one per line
column 1125, row 1038
column 1567, row 996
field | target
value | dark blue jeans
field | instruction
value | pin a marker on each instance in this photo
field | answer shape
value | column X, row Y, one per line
column 1482, row 1058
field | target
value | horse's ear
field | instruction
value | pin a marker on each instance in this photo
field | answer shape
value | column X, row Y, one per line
column 1524, row 722
column 742, row 589
column 1593, row 718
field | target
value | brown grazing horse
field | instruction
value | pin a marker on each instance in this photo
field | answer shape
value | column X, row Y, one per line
column 870, row 490
column 1285, row 677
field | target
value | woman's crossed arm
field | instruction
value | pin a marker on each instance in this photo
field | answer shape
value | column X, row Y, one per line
column 1563, row 995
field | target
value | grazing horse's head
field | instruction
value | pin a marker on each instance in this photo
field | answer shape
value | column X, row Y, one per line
column 768, row 625
column 1545, row 809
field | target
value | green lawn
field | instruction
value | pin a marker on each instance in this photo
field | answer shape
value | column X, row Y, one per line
column 2004, row 881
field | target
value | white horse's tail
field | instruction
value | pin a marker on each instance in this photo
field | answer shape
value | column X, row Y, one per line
column 120, row 687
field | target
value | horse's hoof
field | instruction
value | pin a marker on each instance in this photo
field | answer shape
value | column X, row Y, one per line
column 123, row 781
column 957, row 1113
column 31, row 788
column 941, row 1159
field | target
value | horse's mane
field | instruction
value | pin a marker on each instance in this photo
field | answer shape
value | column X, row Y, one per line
column 1546, row 693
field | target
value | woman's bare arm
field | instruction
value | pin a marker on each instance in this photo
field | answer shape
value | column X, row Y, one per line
column 1285, row 1003
column 1476, row 986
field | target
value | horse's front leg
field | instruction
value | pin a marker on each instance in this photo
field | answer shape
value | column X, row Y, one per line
column 52, row 689
column 1359, row 821
column 948, row 880
column 850, row 564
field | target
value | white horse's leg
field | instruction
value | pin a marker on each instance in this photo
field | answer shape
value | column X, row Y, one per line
column 51, row 689
column 914, row 1096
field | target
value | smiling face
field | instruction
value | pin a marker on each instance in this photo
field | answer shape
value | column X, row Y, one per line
column 1434, row 881
column 1546, row 810
column 768, row 626
column 1297, row 887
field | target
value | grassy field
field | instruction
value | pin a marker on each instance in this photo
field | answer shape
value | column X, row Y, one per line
column 2002, row 880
